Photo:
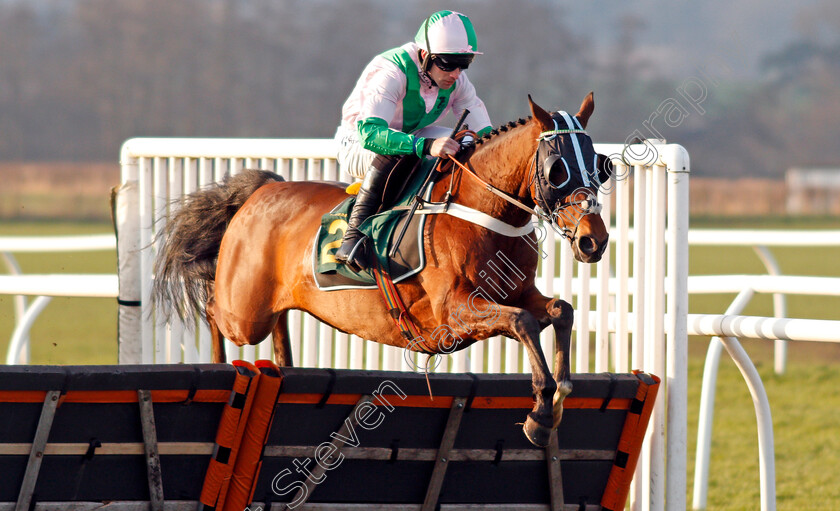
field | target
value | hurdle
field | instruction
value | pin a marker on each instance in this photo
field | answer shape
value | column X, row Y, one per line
column 223, row 437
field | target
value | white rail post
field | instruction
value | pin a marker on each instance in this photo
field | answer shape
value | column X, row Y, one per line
column 676, row 373
column 126, row 207
column 602, row 297
column 766, row 450
column 767, row 464
column 159, row 211
column 146, row 260
column 655, row 331
column 779, row 307
column 19, row 343
column 707, row 406
column 20, row 310
column 622, row 268
column 641, row 480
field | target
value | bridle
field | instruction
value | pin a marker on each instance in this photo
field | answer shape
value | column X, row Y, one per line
column 583, row 201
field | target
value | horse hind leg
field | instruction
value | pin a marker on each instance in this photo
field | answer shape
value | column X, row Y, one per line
column 282, row 342
column 242, row 332
column 217, row 341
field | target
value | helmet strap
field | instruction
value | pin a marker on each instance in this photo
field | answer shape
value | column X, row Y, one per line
column 425, row 66
column 427, row 60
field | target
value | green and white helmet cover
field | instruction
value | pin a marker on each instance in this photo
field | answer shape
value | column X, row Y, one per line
column 449, row 32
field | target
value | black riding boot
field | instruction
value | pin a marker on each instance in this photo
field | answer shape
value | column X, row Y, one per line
column 352, row 250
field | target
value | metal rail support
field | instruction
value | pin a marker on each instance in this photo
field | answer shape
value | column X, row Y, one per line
column 36, row 453
column 555, row 478
column 456, row 412
column 147, row 420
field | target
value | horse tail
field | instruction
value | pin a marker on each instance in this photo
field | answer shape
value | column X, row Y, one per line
column 185, row 268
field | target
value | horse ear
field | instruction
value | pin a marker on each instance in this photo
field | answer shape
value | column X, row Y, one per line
column 586, row 109
column 541, row 115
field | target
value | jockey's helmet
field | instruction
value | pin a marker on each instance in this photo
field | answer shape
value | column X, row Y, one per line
column 448, row 33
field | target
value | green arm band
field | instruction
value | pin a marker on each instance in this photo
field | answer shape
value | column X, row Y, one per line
column 484, row 131
column 376, row 136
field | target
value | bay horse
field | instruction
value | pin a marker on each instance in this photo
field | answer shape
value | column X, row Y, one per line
column 242, row 251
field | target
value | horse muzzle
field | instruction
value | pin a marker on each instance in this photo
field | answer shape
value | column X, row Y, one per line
column 588, row 249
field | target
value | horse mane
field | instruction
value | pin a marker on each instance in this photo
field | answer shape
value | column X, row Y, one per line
column 502, row 129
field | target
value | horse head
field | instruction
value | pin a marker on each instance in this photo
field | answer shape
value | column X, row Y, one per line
column 567, row 175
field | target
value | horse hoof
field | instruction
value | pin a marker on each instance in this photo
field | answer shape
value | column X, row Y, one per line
column 535, row 432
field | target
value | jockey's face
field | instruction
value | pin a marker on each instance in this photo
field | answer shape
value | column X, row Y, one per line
column 444, row 79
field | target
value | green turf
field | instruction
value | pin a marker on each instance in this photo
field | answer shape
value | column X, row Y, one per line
column 804, row 401
column 69, row 330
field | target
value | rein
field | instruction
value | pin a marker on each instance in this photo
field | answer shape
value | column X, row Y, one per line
column 490, row 188
column 468, row 168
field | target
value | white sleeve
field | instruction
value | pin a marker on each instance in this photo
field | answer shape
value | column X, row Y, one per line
column 382, row 91
column 464, row 96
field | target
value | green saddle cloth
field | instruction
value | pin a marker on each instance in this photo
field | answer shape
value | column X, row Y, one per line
column 379, row 228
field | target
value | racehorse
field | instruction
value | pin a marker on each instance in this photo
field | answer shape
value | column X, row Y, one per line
column 241, row 251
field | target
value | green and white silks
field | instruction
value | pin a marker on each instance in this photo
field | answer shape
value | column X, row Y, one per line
column 394, row 107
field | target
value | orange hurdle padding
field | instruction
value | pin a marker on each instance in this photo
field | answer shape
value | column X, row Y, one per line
column 229, row 436
column 630, row 443
column 249, row 459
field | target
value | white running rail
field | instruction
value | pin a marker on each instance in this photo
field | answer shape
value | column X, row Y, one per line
column 44, row 287
column 726, row 329
column 761, row 240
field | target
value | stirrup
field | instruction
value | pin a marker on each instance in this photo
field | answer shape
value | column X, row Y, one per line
column 356, row 259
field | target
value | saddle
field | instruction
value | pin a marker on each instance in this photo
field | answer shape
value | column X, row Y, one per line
column 380, row 229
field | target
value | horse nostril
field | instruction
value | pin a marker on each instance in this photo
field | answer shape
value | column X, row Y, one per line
column 587, row 245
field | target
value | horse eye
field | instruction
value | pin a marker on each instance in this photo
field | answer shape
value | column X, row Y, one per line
column 557, row 171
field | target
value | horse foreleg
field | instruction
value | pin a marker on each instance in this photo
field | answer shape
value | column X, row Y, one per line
column 217, row 341
column 486, row 319
column 539, row 425
column 282, row 343
column 560, row 315
column 562, row 318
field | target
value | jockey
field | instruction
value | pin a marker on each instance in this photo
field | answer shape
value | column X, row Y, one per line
column 391, row 111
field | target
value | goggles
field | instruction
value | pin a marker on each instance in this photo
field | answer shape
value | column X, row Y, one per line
column 451, row 62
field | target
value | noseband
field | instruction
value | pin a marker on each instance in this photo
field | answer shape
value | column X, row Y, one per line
column 586, row 206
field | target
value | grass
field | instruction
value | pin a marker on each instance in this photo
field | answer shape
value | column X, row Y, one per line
column 69, row 330
column 34, row 205
column 804, row 403
column 804, row 400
